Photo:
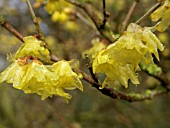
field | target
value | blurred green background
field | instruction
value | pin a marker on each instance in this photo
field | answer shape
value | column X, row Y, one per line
column 90, row 108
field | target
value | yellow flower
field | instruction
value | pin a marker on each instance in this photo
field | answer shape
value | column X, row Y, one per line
column 46, row 83
column 66, row 78
column 60, row 11
column 34, row 77
column 71, row 25
column 152, row 42
column 117, row 65
column 56, row 5
column 119, row 61
column 163, row 13
column 52, row 6
column 59, row 16
column 33, row 47
column 14, row 70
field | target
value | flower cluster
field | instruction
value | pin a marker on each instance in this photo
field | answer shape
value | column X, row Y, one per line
column 61, row 11
column 27, row 73
column 163, row 13
column 119, row 61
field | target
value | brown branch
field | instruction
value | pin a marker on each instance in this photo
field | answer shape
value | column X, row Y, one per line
column 128, row 16
column 115, row 94
column 165, row 83
column 17, row 34
column 93, row 16
column 57, row 114
column 84, row 20
column 131, row 97
column 94, row 77
column 34, row 18
column 10, row 28
column 95, row 19
column 89, row 67
column 105, row 15
column 157, row 5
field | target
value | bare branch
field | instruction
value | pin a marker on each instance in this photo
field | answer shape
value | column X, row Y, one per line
column 57, row 114
column 115, row 94
column 93, row 16
column 165, row 83
column 82, row 18
column 10, row 28
column 128, row 16
column 35, row 21
column 17, row 34
column 105, row 15
column 157, row 5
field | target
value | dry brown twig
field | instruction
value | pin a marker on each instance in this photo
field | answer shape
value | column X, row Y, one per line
column 98, row 23
column 129, row 15
column 157, row 5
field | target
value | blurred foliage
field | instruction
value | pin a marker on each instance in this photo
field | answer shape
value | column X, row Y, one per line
column 88, row 109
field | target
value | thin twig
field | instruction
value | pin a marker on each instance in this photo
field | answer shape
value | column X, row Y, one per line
column 105, row 15
column 93, row 16
column 4, row 23
column 82, row 18
column 35, row 21
column 115, row 94
column 10, row 28
column 162, row 78
column 59, row 116
column 128, row 16
column 93, row 75
column 89, row 67
column 157, row 5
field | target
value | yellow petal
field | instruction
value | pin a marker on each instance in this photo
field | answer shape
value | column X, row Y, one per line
column 165, row 23
column 32, row 47
column 66, row 77
column 9, row 73
column 163, row 14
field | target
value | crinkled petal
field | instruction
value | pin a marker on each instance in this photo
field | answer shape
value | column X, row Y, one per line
column 66, row 77
column 165, row 23
column 32, row 47
column 163, row 14
column 119, row 61
column 9, row 73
